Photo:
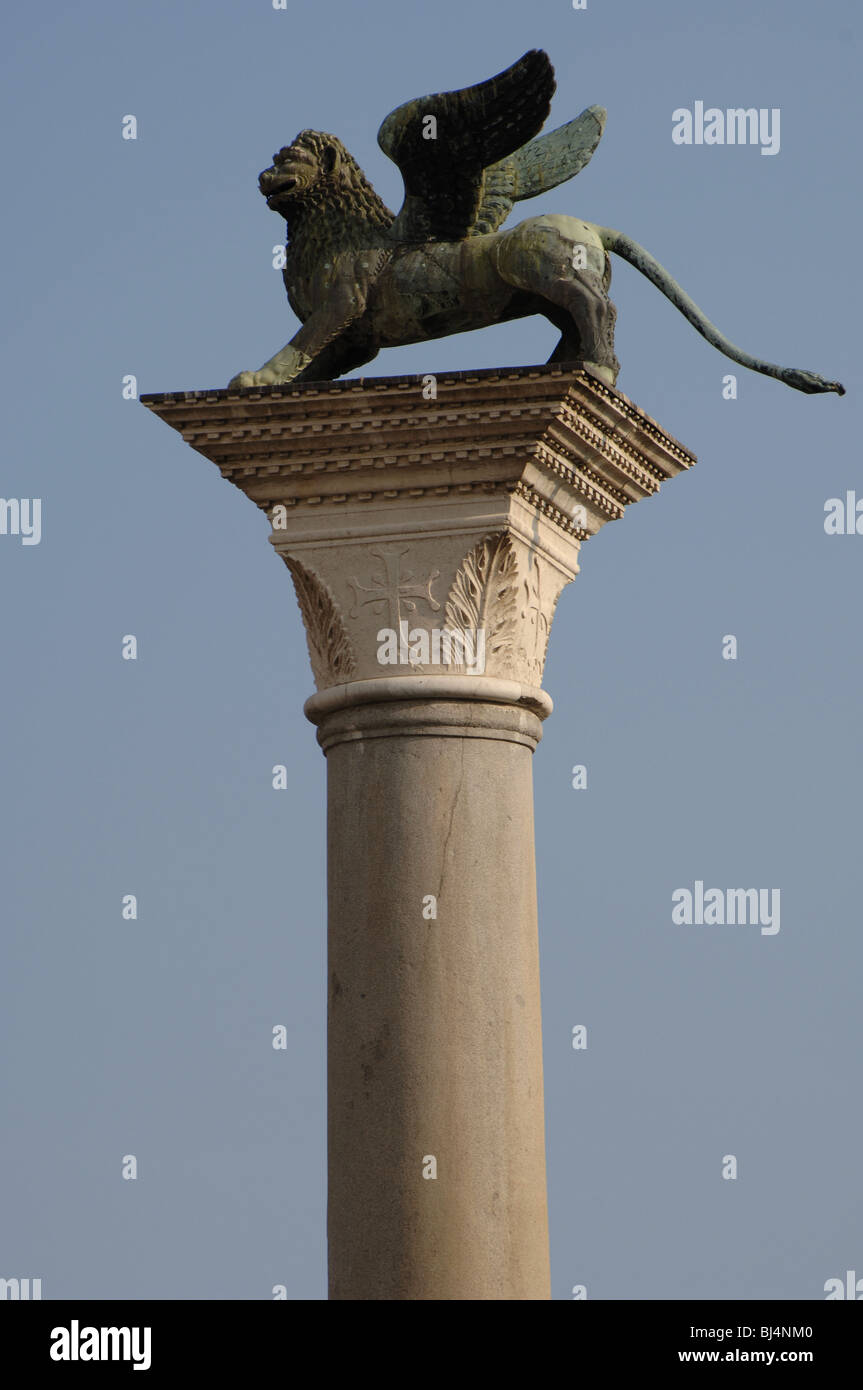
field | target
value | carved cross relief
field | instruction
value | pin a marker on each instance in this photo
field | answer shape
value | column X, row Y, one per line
column 393, row 591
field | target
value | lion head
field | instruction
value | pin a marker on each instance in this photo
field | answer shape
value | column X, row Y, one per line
column 316, row 173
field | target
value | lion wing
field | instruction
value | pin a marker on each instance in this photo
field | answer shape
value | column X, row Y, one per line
column 443, row 162
column 543, row 164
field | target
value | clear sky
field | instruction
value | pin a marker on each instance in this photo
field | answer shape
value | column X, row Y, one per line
column 153, row 1037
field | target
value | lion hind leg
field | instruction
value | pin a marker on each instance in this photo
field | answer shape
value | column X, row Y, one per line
column 588, row 338
column 540, row 259
column 569, row 351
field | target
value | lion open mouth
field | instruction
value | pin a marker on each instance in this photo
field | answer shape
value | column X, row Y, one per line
column 286, row 185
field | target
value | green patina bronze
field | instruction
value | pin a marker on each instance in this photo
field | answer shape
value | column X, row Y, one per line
column 360, row 278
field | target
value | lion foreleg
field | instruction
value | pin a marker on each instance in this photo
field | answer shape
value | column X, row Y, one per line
column 342, row 308
column 287, row 364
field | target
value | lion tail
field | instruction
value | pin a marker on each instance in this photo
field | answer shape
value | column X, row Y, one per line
column 624, row 246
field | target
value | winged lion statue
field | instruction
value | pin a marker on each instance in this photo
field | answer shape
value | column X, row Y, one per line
column 360, row 278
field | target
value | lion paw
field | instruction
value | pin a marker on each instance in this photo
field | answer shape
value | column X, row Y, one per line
column 279, row 371
column 606, row 374
column 265, row 377
column 243, row 379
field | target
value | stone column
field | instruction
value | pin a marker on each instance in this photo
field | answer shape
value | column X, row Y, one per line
column 435, row 1058
column 430, row 526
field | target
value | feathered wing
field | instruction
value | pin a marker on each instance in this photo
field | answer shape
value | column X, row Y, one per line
column 473, row 129
column 544, row 163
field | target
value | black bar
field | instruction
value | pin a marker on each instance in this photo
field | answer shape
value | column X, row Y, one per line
column 217, row 1339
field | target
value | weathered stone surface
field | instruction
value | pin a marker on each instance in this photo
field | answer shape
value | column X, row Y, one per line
column 435, row 1040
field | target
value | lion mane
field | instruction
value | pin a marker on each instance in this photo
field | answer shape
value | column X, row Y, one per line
column 339, row 211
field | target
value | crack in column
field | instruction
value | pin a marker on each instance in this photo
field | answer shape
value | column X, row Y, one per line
column 452, row 817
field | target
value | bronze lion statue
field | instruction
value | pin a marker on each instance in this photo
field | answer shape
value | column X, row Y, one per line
column 360, row 278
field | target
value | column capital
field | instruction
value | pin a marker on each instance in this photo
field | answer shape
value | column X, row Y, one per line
column 431, row 522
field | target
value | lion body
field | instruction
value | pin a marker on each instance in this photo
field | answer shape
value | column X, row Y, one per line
column 453, row 287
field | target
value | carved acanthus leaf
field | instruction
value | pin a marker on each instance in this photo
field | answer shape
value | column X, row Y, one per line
column 330, row 650
column 484, row 598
